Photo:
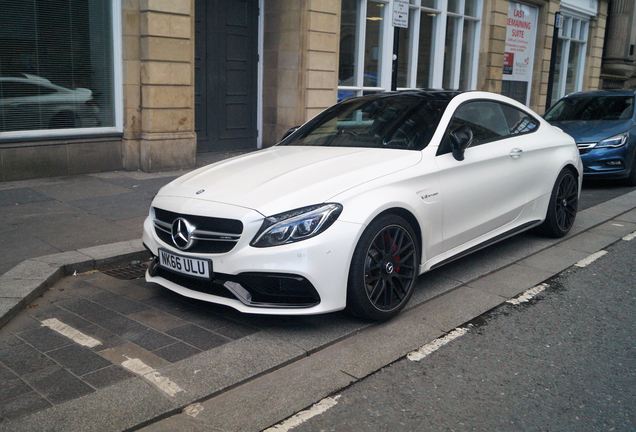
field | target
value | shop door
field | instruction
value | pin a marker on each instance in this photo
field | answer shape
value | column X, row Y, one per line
column 226, row 71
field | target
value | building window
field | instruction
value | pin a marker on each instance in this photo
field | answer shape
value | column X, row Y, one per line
column 437, row 50
column 570, row 57
column 58, row 68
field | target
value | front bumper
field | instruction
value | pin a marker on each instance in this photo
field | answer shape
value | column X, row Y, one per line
column 248, row 278
column 610, row 163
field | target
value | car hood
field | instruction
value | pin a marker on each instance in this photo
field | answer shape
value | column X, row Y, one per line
column 585, row 131
column 287, row 177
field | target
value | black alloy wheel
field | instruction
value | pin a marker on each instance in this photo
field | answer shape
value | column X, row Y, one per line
column 389, row 268
column 384, row 269
column 563, row 205
column 567, row 201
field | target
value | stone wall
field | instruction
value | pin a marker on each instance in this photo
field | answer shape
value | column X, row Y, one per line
column 282, row 64
column 300, row 73
column 492, row 43
column 159, row 84
column 321, row 48
column 543, row 53
column 594, row 56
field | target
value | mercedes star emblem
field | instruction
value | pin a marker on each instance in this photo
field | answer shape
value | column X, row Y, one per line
column 182, row 233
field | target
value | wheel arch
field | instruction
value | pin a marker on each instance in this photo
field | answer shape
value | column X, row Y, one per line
column 410, row 218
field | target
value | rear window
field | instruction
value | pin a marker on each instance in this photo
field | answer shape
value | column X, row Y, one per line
column 592, row 108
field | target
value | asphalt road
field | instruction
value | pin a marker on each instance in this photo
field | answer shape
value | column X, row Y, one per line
column 566, row 361
column 595, row 192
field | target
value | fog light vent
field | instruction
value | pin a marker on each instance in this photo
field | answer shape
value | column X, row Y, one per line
column 614, row 163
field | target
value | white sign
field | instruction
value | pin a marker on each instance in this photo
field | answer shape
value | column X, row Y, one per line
column 401, row 13
column 521, row 35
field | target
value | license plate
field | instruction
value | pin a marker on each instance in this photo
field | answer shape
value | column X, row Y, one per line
column 195, row 267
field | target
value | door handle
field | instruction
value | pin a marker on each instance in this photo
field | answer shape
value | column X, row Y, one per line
column 515, row 153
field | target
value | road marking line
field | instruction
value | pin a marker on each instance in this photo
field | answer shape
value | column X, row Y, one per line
column 433, row 346
column 73, row 334
column 618, row 225
column 528, row 294
column 630, row 237
column 151, row 375
column 302, row 416
column 590, row 259
column 193, row 410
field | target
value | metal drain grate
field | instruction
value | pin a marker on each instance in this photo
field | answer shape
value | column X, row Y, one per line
column 129, row 272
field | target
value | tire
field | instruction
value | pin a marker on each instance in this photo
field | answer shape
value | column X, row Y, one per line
column 563, row 205
column 631, row 180
column 383, row 270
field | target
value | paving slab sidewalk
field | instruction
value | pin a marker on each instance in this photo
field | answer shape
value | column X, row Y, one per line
column 51, row 215
column 250, row 346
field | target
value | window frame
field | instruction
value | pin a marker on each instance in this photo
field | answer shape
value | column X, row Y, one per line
column 582, row 25
column 442, row 150
column 437, row 50
column 118, row 95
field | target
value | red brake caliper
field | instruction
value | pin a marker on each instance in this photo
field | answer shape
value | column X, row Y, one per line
column 396, row 258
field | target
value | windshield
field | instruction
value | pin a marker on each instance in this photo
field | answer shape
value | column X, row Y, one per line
column 592, row 108
column 397, row 122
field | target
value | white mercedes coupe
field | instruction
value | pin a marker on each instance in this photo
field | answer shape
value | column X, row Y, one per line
column 350, row 208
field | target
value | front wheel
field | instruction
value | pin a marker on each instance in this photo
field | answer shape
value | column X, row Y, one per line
column 563, row 205
column 383, row 269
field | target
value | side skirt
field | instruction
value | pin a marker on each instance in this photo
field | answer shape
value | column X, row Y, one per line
column 526, row 226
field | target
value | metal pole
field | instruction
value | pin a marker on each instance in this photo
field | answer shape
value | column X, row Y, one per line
column 553, row 55
column 396, row 50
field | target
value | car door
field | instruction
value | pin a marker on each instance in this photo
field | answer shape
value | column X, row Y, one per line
column 482, row 192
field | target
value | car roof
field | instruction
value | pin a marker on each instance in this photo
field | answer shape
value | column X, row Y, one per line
column 430, row 94
column 596, row 93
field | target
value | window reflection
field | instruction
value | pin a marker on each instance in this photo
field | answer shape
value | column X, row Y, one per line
column 373, row 44
column 424, row 58
column 55, row 65
column 347, row 69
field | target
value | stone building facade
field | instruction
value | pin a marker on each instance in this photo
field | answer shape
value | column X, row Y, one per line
column 150, row 84
column 619, row 57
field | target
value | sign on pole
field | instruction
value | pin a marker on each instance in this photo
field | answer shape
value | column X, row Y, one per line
column 401, row 13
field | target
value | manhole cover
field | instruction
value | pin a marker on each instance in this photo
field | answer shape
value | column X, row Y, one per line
column 129, row 272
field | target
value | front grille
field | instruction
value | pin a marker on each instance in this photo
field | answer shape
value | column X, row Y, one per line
column 585, row 147
column 211, row 234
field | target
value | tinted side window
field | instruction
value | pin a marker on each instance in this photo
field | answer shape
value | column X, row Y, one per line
column 489, row 121
column 486, row 119
column 518, row 121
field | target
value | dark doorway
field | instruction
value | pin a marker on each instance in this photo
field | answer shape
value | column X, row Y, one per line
column 226, row 74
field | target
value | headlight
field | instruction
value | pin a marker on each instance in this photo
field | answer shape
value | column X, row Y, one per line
column 296, row 225
column 613, row 142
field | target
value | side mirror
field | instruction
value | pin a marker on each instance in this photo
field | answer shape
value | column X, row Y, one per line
column 460, row 139
column 289, row 132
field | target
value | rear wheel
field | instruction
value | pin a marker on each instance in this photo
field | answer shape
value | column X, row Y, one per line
column 383, row 269
column 563, row 205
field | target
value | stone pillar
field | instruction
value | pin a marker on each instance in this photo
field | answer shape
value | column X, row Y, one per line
column 595, row 41
column 492, row 45
column 322, row 47
column 166, row 80
column 300, row 74
column 283, row 82
column 543, row 53
column 132, row 87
